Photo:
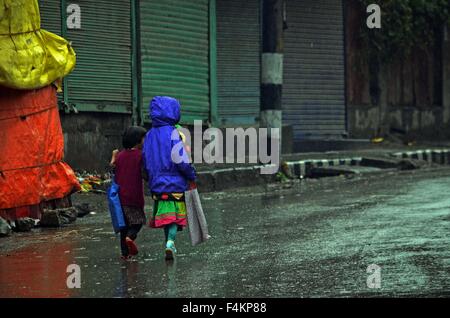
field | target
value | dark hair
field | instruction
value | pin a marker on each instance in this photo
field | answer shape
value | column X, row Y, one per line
column 133, row 136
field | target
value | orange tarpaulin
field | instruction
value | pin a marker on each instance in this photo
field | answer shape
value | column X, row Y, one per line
column 32, row 149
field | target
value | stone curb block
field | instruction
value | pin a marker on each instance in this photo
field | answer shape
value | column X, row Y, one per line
column 5, row 228
column 303, row 169
column 438, row 156
column 222, row 179
column 382, row 163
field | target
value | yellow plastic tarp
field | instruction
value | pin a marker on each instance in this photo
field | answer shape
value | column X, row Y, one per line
column 30, row 57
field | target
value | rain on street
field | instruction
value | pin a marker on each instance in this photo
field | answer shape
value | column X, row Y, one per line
column 314, row 238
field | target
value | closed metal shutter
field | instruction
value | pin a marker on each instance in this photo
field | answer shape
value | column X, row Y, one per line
column 175, row 54
column 50, row 11
column 102, row 80
column 313, row 88
column 238, row 60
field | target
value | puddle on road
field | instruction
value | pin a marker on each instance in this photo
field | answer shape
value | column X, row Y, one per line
column 36, row 271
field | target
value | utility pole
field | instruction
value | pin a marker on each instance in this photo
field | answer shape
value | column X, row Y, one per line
column 446, row 73
column 272, row 67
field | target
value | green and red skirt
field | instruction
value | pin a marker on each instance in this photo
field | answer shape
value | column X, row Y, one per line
column 168, row 209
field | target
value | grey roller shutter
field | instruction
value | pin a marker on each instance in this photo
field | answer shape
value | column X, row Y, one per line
column 50, row 11
column 238, row 60
column 102, row 80
column 313, row 88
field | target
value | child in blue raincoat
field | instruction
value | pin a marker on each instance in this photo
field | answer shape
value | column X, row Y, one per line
column 167, row 179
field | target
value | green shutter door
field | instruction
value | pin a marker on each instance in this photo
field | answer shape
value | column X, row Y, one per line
column 101, row 80
column 175, row 54
column 50, row 11
column 238, row 60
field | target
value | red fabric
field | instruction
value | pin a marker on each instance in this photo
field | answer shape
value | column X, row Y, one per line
column 167, row 220
column 192, row 185
column 32, row 149
column 35, row 211
column 128, row 174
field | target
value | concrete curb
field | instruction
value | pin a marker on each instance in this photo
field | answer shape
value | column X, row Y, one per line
column 302, row 169
column 439, row 156
column 244, row 176
column 222, row 179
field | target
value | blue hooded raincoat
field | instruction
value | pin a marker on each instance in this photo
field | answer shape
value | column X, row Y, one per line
column 165, row 176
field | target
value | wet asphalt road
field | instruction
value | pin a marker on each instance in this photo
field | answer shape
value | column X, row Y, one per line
column 314, row 239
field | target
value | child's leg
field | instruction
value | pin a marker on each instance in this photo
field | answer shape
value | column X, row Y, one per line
column 123, row 242
column 170, row 245
column 166, row 232
column 171, row 231
column 134, row 230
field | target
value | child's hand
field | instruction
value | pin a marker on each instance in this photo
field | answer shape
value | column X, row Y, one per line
column 114, row 156
column 192, row 185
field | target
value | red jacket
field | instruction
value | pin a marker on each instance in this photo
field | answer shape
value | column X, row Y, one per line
column 128, row 175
